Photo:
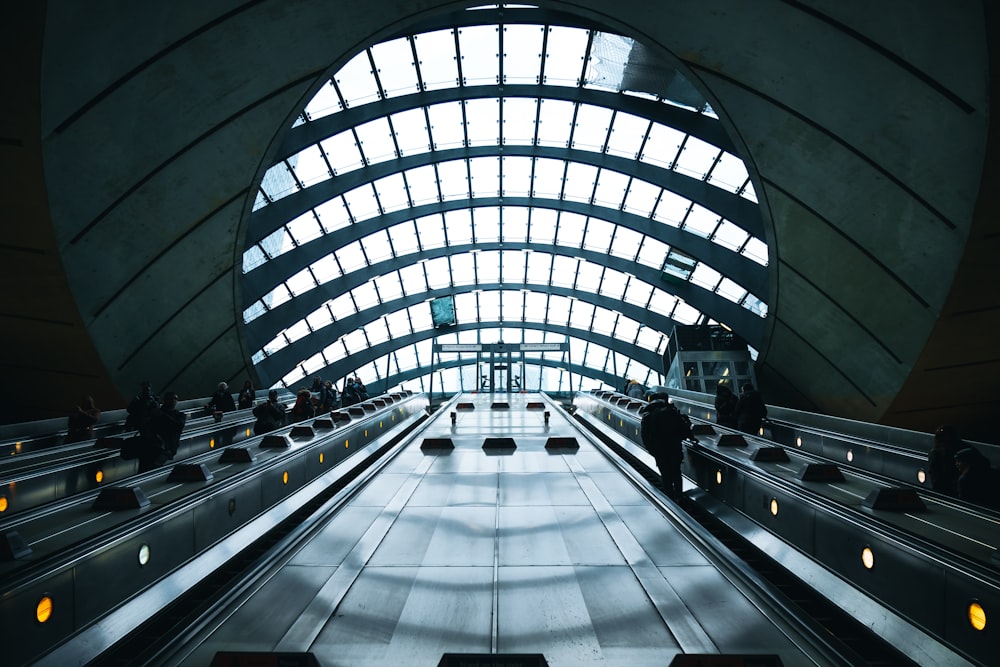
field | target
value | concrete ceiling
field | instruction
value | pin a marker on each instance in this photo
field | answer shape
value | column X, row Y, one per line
column 139, row 131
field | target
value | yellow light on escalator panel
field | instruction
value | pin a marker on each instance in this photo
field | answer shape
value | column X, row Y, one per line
column 798, row 442
column 774, row 507
column 347, row 443
column 380, row 423
column 868, row 558
column 718, row 477
column 248, row 433
column 43, row 610
column 284, row 477
column 321, row 457
column 211, row 443
column 3, row 503
column 99, row 476
column 921, row 476
column 850, row 455
column 977, row 616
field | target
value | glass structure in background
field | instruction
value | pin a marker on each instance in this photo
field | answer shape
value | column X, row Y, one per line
column 549, row 181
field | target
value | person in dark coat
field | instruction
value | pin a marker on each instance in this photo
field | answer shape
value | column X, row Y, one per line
column 941, row 460
column 750, row 410
column 222, row 400
column 663, row 429
column 303, row 408
column 976, row 479
column 140, row 407
column 80, row 425
column 270, row 415
column 247, row 395
column 160, row 434
column 725, row 406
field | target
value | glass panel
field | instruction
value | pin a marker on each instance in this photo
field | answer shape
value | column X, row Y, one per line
column 333, row 215
column 730, row 236
column 487, row 267
column 588, row 277
column 350, row 257
column 516, row 180
column 325, row 269
column 447, row 125
column 278, row 182
column 511, row 306
column 356, row 81
column 485, row 173
column 581, row 315
column 539, row 267
column 626, row 243
column 361, row 202
column 458, row 225
column 403, row 237
column 324, row 102
column 376, row 140
column 729, row 174
column 652, row 253
column 606, row 65
column 731, row 290
column 627, row 133
column 396, row 70
column 377, row 247
column 756, row 250
column 558, row 311
column 389, row 287
column 598, row 236
column 563, row 270
column 392, row 194
column 342, row 152
column 479, row 47
column 514, row 224
column 671, row 209
column 592, row 125
column 252, row 258
column 436, row 54
column 411, row 132
column 412, row 279
column 571, row 229
column 522, row 57
column 543, row 225
column 641, row 198
column 365, row 296
column 519, row 121
column 548, row 180
column 422, row 183
column 310, row 167
column 580, row 180
column 564, row 55
column 662, row 146
column 454, row 179
column 610, row 190
column 701, row 221
column 705, row 276
column 555, row 121
column 696, row 158
column 439, row 273
column 482, row 121
column 355, row 341
column 534, row 306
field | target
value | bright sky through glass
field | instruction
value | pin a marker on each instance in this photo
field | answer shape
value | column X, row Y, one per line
column 521, row 272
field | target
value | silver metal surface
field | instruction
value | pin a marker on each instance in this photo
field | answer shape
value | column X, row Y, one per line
column 522, row 551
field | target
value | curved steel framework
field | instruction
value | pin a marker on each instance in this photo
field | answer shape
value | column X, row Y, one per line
column 574, row 188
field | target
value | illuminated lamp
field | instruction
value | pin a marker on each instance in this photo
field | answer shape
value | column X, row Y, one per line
column 893, row 499
column 702, row 429
column 13, row 546
column 257, row 659
column 868, row 558
column 566, row 442
column 769, row 455
column 237, row 455
column 731, row 440
column 143, row 555
column 190, row 472
column 820, row 472
column 302, row 432
column 43, row 610
column 121, row 498
column 437, row 443
column 499, row 443
column 773, row 507
column 500, row 405
column 922, row 476
column 275, row 441
column 977, row 616
column 4, row 504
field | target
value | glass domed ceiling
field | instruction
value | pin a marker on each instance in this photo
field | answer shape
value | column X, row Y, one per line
column 560, row 182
